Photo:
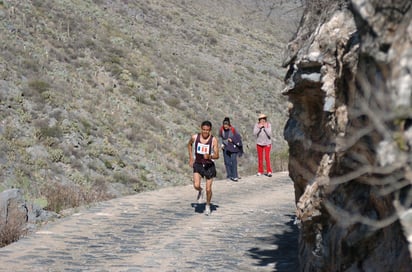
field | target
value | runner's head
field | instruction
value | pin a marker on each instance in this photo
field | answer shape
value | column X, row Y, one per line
column 206, row 128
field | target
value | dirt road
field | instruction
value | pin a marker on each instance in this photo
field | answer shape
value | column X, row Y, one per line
column 250, row 229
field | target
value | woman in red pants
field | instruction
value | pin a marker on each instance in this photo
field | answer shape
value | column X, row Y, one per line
column 263, row 132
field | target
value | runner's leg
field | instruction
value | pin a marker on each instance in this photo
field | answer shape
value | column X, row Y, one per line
column 209, row 183
column 197, row 181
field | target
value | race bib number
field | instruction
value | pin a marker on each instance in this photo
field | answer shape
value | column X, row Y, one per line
column 203, row 148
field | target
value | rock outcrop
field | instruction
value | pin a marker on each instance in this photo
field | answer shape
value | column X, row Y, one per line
column 13, row 216
column 349, row 84
column 17, row 217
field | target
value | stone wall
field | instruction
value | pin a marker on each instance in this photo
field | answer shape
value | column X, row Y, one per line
column 349, row 86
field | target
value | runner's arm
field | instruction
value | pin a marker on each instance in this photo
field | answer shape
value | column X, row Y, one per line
column 190, row 150
column 215, row 146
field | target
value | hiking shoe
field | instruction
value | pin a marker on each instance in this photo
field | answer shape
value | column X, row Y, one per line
column 207, row 210
column 200, row 197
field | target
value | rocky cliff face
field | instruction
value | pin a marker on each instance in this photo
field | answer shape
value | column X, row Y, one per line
column 349, row 85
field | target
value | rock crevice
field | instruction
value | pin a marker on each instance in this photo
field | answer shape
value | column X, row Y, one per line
column 349, row 88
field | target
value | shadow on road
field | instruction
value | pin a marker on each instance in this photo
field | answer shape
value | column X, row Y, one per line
column 200, row 208
column 286, row 253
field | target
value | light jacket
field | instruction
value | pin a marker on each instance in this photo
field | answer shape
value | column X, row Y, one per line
column 264, row 135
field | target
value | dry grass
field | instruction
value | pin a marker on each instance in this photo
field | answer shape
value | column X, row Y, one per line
column 60, row 197
column 12, row 231
column 280, row 161
column 321, row 9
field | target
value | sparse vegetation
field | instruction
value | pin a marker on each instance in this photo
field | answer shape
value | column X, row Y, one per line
column 280, row 160
column 60, row 196
column 89, row 88
column 12, row 231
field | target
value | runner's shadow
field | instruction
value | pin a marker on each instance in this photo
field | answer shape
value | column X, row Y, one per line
column 285, row 256
column 200, row 208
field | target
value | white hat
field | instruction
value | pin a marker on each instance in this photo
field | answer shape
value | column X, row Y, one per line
column 262, row 116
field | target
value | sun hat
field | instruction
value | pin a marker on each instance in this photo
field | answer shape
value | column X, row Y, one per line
column 262, row 116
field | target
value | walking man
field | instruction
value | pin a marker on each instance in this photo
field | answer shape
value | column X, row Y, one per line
column 206, row 150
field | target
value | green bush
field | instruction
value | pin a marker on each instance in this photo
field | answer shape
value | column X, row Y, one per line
column 39, row 86
column 44, row 132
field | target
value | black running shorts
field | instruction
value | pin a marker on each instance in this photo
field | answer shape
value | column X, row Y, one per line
column 205, row 170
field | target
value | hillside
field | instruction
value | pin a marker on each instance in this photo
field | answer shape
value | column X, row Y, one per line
column 98, row 98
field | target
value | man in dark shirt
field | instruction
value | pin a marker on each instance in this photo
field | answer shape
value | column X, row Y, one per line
column 206, row 150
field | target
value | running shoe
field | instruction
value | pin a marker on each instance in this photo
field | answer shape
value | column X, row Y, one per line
column 258, row 174
column 207, row 210
column 234, row 179
column 269, row 174
column 200, row 197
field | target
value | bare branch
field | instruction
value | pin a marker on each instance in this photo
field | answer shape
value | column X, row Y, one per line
column 346, row 218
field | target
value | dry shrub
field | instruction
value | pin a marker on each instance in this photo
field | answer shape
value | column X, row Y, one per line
column 319, row 5
column 321, row 9
column 39, row 86
column 173, row 102
column 61, row 196
column 12, row 231
column 280, row 160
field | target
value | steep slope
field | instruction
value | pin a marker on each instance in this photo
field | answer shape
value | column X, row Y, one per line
column 99, row 97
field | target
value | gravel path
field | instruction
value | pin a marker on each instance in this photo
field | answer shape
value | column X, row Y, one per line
column 250, row 229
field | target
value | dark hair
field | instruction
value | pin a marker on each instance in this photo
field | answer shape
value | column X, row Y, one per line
column 226, row 120
column 206, row 123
